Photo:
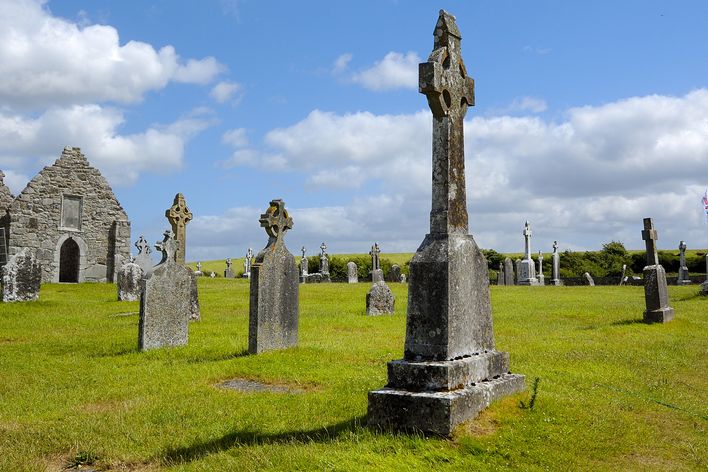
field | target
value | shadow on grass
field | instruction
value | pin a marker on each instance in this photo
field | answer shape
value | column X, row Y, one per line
column 217, row 358
column 633, row 321
column 248, row 438
column 691, row 296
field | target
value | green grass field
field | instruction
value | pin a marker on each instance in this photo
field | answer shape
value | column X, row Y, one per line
column 614, row 393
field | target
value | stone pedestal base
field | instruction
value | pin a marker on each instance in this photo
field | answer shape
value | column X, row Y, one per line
column 436, row 396
column 438, row 412
column 660, row 315
column 704, row 288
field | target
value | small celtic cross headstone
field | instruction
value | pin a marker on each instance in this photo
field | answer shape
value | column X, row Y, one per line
column 168, row 246
column 179, row 215
column 143, row 246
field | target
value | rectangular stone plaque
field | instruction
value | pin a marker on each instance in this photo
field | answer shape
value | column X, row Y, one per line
column 71, row 206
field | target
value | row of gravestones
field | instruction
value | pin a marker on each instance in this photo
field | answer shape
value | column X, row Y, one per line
column 451, row 369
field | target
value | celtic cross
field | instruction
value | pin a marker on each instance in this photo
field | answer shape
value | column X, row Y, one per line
column 375, row 251
column 276, row 220
column 650, row 235
column 168, row 246
column 179, row 215
column 142, row 245
column 449, row 90
column 527, row 240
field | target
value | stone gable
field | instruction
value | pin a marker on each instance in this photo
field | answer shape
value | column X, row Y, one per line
column 6, row 197
column 70, row 216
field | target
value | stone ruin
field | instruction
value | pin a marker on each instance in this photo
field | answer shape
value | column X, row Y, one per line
column 68, row 215
column 450, row 370
column 165, row 302
column 273, row 306
column 21, row 277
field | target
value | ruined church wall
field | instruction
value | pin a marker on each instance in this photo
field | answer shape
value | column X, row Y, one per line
column 104, row 230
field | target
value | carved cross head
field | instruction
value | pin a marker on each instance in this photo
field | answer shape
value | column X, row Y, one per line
column 527, row 229
column 249, row 253
column 142, row 245
column 179, row 214
column 443, row 79
column 168, row 246
column 650, row 235
column 228, row 262
column 323, row 248
column 276, row 219
column 682, row 246
column 302, row 249
column 555, row 246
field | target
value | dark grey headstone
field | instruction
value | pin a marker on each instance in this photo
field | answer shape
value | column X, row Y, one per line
column 656, row 293
column 165, row 303
column 21, row 277
column 449, row 314
column 704, row 285
column 128, row 282
column 500, row 274
column 195, row 313
column 394, row 274
column 509, row 278
column 273, row 312
column 684, row 277
column 380, row 300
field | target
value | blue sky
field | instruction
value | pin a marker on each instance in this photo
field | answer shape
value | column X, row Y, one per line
column 589, row 116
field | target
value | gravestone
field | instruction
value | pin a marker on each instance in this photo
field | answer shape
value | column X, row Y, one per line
column 704, row 285
column 683, row 275
column 394, row 274
column 509, row 278
column 352, row 275
column 500, row 274
column 527, row 273
column 379, row 299
column 403, row 278
column 128, row 281
column 303, row 266
column 589, row 279
column 555, row 261
column 273, row 311
column 165, row 301
column 623, row 277
column 451, row 369
column 656, row 293
column 143, row 259
column 198, row 272
column 21, row 277
column 179, row 215
column 376, row 271
column 247, row 261
column 324, row 263
column 541, row 278
column 228, row 273
column 517, row 274
column 195, row 313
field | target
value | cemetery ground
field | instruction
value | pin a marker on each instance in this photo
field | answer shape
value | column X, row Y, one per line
column 614, row 393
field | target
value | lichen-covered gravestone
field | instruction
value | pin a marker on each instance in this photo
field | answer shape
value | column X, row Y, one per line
column 352, row 275
column 165, row 302
column 128, row 281
column 500, row 274
column 228, row 273
column 376, row 271
column 143, row 259
column 324, row 264
column 527, row 272
column 380, row 299
column 394, row 274
column 656, row 293
column 451, row 369
column 273, row 310
column 21, row 277
column 179, row 215
column 247, row 262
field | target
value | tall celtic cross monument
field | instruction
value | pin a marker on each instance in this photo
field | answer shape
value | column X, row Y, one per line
column 450, row 370
column 179, row 215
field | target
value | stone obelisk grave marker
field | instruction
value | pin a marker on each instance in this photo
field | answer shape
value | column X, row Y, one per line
column 450, row 370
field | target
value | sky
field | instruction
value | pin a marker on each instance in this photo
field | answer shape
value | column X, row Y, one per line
column 589, row 116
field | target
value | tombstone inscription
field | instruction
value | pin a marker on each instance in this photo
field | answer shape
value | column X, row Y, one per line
column 450, row 370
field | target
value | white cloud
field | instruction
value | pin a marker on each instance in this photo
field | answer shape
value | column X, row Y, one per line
column 527, row 104
column 236, row 138
column 395, row 70
column 341, row 63
column 226, row 91
column 583, row 181
column 46, row 60
column 120, row 157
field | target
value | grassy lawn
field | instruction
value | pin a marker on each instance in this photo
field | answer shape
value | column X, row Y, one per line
column 614, row 393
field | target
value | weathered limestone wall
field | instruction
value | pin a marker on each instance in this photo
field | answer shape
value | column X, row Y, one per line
column 103, row 235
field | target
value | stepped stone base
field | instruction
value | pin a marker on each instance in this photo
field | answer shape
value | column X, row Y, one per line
column 438, row 412
column 660, row 315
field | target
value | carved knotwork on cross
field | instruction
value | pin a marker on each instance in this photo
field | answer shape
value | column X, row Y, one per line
column 443, row 79
column 168, row 246
column 276, row 219
column 179, row 215
column 142, row 245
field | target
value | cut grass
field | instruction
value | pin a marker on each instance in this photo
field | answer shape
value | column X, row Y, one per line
column 614, row 394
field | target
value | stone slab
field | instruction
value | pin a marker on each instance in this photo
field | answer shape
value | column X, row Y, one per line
column 437, row 412
column 656, row 295
column 380, row 300
column 448, row 375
